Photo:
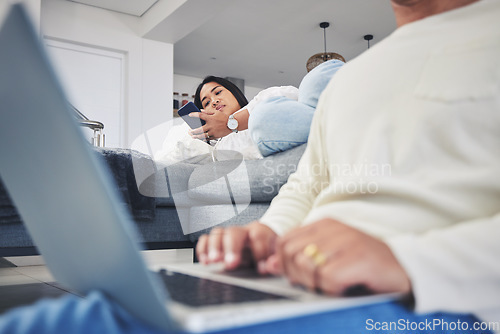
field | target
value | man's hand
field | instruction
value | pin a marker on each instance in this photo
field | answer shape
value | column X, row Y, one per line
column 237, row 246
column 338, row 258
column 214, row 128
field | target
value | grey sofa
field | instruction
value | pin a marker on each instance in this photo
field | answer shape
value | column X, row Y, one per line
column 172, row 205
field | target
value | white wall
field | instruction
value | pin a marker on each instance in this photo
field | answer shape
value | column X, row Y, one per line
column 148, row 66
column 33, row 7
column 149, row 79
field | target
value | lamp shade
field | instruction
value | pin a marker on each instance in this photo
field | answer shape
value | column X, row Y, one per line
column 319, row 58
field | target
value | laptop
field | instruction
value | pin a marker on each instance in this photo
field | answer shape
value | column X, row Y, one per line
column 70, row 207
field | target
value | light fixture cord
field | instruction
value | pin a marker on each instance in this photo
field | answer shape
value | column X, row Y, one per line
column 324, row 39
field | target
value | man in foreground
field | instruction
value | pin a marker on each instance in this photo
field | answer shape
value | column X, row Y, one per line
column 398, row 189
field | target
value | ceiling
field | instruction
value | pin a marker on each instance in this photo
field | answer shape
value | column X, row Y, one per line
column 264, row 42
column 267, row 43
column 136, row 8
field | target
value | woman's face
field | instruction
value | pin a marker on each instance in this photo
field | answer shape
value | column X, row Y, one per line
column 215, row 97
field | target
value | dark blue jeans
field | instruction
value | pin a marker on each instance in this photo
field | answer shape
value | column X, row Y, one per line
column 95, row 314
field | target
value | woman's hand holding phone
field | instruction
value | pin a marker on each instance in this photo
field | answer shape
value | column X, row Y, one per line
column 215, row 125
column 185, row 113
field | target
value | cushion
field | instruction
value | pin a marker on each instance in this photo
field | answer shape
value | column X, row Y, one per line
column 255, row 181
column 169, row 184
column 203, row 218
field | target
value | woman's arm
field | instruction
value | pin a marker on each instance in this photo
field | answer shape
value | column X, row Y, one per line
column 216, row 124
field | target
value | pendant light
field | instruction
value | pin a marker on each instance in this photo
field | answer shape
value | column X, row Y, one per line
column 368, row 38
column 319, row 58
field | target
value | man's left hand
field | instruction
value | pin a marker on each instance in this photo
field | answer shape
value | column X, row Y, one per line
column 335, row 258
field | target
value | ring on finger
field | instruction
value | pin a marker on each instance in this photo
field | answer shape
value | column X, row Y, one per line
column 317, row 257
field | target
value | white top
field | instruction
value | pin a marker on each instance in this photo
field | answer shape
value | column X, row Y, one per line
column 405, row 146
column 179, row 145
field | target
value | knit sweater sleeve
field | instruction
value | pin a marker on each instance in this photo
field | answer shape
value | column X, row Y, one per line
column 455, row 268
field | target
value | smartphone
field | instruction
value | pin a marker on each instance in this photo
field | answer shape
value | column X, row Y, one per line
column 185, row 110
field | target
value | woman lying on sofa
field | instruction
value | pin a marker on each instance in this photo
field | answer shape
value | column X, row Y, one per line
column 277, row 119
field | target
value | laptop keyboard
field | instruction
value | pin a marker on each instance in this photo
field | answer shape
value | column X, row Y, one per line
column 197, row 291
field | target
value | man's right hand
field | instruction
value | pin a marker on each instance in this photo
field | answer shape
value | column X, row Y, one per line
column 234, row 246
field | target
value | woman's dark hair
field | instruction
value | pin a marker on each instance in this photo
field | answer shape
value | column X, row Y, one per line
column 240, row 97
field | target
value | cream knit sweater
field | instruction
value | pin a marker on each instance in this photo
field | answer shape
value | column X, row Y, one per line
column 405, row 145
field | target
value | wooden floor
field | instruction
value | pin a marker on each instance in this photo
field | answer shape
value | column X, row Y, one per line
column 24, row 280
